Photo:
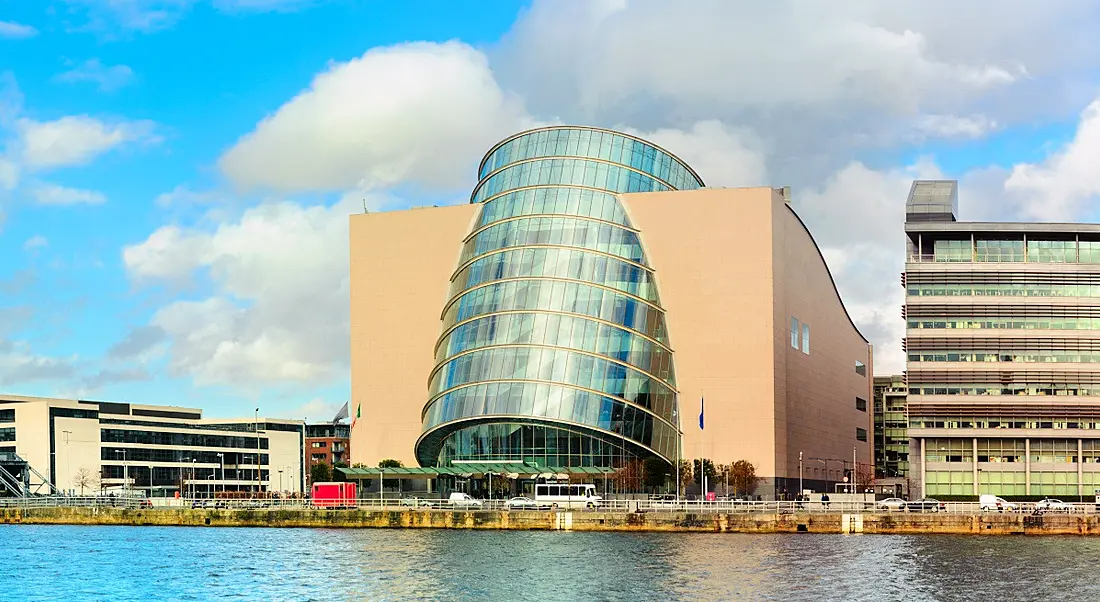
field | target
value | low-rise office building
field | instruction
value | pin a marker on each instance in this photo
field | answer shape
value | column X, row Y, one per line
column 579, row 308
column 327, row 443
column 1003, row 344
column 88, row 447
column 891, row 427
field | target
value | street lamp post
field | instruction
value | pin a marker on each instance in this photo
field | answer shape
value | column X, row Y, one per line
column 800, row 489
column 280, row 480
column 221, row 461
column 183, row 484
column 125, row 470
column 259, row 485
column 68, row 473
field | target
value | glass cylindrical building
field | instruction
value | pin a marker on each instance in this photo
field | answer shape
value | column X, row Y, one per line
column 554, row 348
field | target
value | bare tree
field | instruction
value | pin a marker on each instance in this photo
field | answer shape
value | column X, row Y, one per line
column 86, row 478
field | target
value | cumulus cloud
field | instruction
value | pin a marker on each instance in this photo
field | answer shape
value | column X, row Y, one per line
column 106, row 78
column 421, row 113
column 1065, row 183
column 720, row 155
column 865, row 261
column 280, row 310
column 15, row 31
column 76, row 140
column 52, row 194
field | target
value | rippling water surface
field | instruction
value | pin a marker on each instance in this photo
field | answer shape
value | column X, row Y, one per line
column 169, row 563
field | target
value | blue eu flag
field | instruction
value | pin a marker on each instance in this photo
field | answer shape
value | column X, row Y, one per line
column 701, row 413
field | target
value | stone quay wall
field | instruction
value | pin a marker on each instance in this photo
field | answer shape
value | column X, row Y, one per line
column 870, row 523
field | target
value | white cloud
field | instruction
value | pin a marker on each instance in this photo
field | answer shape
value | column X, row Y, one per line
column 954, row 126
column 52, row 194
column 715, row 53
column 721, row 156
column 865, row 260
column 9, row 174
column 316, row 410
column 183, row 195
column 1067, row 182
column 107, row 78
column 152, row 15
column 36, row 242
column 13, row 30
column 279, row 312
column 419, row 113
column 76, row 140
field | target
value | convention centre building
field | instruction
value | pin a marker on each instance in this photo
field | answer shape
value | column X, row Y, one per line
column 595, row 304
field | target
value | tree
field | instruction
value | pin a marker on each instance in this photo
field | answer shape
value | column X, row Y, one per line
column 629, row 476
column 743, row 477
column 708, row 469
column 336, row 474
column 656, row 472
column 320, row 473
column 390, row 463
column 85, row 478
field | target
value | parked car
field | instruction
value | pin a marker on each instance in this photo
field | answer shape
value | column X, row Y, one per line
column 1052, row 505
column 464, row 500
column 892, row 504
column 145, row 503
column 988, row 501
column 926, row 505
column 524, row 503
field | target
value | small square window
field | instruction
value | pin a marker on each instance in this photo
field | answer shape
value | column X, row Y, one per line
column 861, row 434
column 861, row 404
column 861, row 369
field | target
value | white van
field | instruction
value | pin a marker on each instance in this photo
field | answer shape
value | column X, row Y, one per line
column 988, row 501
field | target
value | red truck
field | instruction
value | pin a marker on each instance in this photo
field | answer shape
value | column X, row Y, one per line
column 333, row 495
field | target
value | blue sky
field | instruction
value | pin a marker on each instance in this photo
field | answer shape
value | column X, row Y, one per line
column 176, row 175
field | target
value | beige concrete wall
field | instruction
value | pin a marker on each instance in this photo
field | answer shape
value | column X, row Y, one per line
column 285, row 453
column 401, row 264
column 733, row 266
column 711, row 250
column 818, row 413
column 81, row 451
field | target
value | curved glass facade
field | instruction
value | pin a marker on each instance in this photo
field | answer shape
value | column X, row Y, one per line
column 554, row 347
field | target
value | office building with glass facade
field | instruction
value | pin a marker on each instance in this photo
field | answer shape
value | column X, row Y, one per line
column 579, row 307
column 891, row 427
column 102, row 447
column 1003, row 344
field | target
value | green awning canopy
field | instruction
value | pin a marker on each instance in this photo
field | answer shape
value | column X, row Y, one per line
column 464, row 470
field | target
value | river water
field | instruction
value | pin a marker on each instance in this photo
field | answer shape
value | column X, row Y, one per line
column 179, row 563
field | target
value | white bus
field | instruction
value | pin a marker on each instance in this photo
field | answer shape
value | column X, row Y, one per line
column 563, row 495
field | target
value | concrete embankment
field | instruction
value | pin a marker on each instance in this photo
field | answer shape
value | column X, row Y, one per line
column 901, row 523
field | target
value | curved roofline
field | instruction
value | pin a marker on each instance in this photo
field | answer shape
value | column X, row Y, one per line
column 591, row 128
column 827, row 271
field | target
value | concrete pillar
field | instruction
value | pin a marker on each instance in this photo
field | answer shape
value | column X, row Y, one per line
column 923, row 471
column 1080, row 468
column 1027, row 466
column 975, row 444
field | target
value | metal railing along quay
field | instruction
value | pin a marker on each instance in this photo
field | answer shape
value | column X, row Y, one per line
column 614, row 505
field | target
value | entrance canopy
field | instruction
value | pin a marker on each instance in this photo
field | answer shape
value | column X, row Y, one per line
column 512, row 471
